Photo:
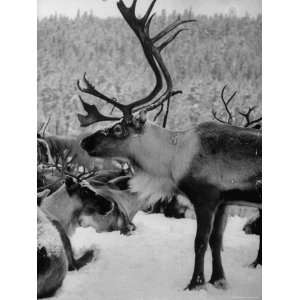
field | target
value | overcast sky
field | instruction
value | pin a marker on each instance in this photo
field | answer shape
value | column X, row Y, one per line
column 105, row 8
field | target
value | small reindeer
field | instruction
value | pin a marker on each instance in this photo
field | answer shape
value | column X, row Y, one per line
column 204, row 163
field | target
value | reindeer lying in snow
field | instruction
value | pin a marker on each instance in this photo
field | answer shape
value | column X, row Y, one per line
column 57, row 218
column 126, row 205
column 104, row 205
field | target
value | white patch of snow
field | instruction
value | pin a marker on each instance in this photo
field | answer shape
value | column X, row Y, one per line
column 156, row 263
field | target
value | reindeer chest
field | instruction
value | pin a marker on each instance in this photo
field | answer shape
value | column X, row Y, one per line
column 150, row 188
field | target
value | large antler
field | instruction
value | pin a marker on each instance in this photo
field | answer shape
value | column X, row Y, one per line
column 93, row 115
column 141, row 27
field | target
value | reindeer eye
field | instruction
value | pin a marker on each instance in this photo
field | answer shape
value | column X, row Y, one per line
column 84, row 193
column 118, row 130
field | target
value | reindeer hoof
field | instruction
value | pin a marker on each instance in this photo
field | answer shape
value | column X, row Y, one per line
column 196, row 286
column 254, row 264
column 126, row 231
column 221, row 284
column 132, row 227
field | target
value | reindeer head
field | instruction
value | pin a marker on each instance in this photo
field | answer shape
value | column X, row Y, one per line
column 120, row 217
column 111, row 141
column 88, row 196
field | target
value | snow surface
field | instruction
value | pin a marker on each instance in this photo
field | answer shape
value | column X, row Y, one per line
column 156, row 263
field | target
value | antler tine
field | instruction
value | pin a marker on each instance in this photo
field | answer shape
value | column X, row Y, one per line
column 226, row 103
column 46, row 125
column 159, row 112
column 217, row 118
column 90, row 89
column 166, row 114
column 41, row 127
column 158, row 101
column 93, row 115
column 247, row 117
column 133, row 5
column 170, row 28
column 147, row 25
column 148, row 12
column 170, row 39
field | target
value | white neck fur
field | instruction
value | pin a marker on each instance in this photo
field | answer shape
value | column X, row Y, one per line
column 163, row 157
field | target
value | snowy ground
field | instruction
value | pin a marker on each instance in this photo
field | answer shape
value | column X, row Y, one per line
column 156, row 263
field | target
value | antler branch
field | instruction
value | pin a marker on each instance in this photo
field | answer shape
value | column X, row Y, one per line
column 90, row 89
column 229, row 121
column 141, row 27
column 247, row 117
column 225, row 103
column 93, row 115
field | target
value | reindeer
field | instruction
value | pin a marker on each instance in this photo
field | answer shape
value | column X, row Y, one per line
column 205, row 163
column 57, row 218
column 126, row 205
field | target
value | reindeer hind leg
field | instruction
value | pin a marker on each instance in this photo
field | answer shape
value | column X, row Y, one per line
column 216, row 243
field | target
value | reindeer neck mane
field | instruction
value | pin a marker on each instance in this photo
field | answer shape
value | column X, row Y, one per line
column 161, row 158
column 153, row 151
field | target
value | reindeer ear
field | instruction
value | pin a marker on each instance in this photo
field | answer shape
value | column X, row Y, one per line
column 139, row 120
column 42, row 195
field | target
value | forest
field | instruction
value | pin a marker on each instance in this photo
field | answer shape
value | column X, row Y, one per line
column 215, row 51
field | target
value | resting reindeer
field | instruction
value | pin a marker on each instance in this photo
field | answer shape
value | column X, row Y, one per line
column 204, row 163
column 57, row 218
column 126, row 205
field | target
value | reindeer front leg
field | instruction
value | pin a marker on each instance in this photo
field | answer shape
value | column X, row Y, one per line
column 204, row 226
column 205, row 207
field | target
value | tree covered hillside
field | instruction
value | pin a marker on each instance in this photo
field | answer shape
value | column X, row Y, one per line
column 218, row 50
